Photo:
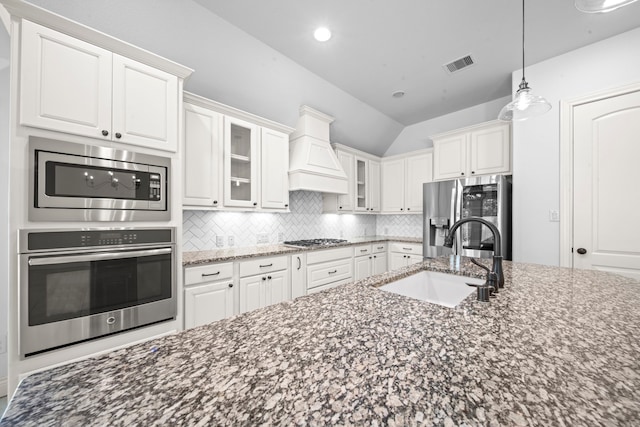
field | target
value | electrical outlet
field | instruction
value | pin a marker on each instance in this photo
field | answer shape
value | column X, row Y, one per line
column 219, row 241
column 554, row 215
column 262, row 238
column 231, row 240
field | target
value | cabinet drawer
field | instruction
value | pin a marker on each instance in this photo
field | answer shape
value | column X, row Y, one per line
column 376, row 248
column 407, row 248
column 207, row 273
column 315, row 257
column 362, row 250
column 262, row 265
column 329, row 272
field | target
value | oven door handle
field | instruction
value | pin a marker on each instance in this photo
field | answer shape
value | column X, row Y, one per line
column 97, row 256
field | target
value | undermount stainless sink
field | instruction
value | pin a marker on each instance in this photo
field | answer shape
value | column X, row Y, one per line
column 438, row 288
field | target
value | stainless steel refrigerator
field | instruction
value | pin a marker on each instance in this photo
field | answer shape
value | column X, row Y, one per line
column 445, row 202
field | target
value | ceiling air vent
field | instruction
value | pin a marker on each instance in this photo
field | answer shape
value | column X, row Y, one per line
column 459, row 64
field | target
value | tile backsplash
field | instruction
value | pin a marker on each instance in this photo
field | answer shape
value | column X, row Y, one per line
column 204, row 230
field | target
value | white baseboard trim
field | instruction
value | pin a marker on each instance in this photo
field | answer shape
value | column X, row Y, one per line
column 3, row 387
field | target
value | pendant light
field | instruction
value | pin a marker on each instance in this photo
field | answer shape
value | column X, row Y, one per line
column 525, row 105
column 600, row 6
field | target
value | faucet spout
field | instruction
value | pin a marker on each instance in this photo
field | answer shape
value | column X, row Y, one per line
column 497, row 248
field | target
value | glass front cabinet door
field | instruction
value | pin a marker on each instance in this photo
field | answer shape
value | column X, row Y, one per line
column 240, row 163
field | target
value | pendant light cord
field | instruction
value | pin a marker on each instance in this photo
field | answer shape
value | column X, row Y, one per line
column 523, row 41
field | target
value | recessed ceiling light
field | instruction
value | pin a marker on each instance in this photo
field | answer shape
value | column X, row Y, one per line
column 322, row 34
column 398, row 94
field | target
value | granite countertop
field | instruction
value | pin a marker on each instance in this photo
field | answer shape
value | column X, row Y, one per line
column 191, row 258
column 556, row 347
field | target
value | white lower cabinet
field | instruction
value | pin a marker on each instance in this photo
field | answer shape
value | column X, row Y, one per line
column 269, row 286
column 329, row 268
column 370, row 259
column 404, row 254
column 209, row 294
column 298, row 275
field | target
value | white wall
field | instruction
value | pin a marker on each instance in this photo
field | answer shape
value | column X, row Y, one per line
column 4, row 196
column 416, row 136
column 607, row 64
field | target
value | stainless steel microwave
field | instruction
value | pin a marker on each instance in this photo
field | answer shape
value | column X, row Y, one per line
column 76, row 182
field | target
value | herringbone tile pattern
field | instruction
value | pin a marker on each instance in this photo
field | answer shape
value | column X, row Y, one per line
column 305, row 221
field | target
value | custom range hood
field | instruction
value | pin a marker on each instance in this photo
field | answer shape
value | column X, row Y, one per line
column 313, row 165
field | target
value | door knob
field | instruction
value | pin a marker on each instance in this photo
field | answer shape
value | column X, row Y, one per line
column 581, row 251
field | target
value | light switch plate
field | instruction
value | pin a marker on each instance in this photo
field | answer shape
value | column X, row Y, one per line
column 262, row 238
column 554, row 215
column 219, row 241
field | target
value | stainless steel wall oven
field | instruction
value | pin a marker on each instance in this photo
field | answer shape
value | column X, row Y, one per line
column 77, row 285
column 75, row 182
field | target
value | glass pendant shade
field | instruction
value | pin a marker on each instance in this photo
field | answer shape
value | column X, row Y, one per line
column 524, row 106
column 600, row 6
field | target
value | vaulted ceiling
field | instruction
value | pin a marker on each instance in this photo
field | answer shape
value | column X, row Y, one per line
column 260, row 55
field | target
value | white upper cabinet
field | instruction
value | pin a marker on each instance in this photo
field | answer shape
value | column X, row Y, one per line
column 477, row 150
column 402, row 180
column 233, row 160
column 72, row 86
column 240, row 163
column 202, row 157
column 274, row 149
column 374, row 186
column 346, row 201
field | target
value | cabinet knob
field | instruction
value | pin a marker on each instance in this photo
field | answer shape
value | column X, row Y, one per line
column 269, row 277
column 374, row 256
column 369, row 257
column 105, row 133
column 118, row 135
column 401, row 209
column 473, row 172
column 408, row 209
column 255, row 203
column 215, row 202
column 286, row 206
column 581, row 251
column 231, row 285
column 340, row 207
column 264, row 278
column 462, row 173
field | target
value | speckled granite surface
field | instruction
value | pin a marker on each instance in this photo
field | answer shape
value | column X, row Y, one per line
column 206, row 257
column 557, row 347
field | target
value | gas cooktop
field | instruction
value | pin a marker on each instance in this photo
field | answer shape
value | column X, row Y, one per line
column 313, row 242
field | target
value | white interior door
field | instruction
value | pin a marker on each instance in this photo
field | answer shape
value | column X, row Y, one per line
column 606, row 198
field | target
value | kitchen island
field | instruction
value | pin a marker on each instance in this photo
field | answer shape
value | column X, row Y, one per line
column 556, row 347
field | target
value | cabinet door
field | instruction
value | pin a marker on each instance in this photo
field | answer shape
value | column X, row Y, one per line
column 202, row 156
column 397, row 260
column 414, row 259
column 240, row 163
column 362, row 267
column 450, row 157
column 418, row 172
column 65, row 83
column 252, row 293
column 379, row 263
column 490, row 150
column 298, row 275
column 276, row 287
column 274, row 147
column 361, row 185
column 145, row 105
column 345, row 201
column 393, row 185
column 374, row 186
column 207, row 303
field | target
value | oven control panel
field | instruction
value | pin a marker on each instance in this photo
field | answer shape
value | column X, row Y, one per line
column 35, row 240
